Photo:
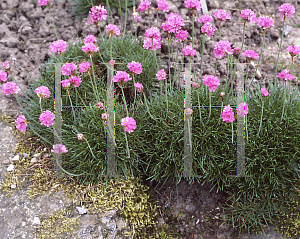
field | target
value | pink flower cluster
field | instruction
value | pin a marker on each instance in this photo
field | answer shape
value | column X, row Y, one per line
column 6, row 66
column 286, row 10
column 188, row 111
column 212, row 82
column 265, row 22
column 250, row 55
column 3, row 76
column 21, row 123
column 10, row 88
column 242, row 109
column 222, row 48
column 144, row 6
column 293, row 50
column 104, row 116
column 42, row 92
column 129, row 124
column 154, row 33
column 284, row 75
column 161, row 75
column 195, row 85
column 135, row 67
column 97, row 14
column 208, row 29
column 84, row 67
column 80, row 136
column 181, row 35
column 173, row 23
column 264, row 91
column 68, row 69
column 121, row 76
column 162, row 5
column 248, row 15
column 113, row 30
column 90, row 48
column 59, row 149
column 58, row 46
column 221, row 15
column 236, row 51
column 139, row 86
column 112, row 62
column 75, row 80
column 205, row 19
column 227, row 114
column 188, row 51
column 66, row 83
column 43, row 2
column 47, row 118
column 148, row 44
column 193, row 4
column 90, row 39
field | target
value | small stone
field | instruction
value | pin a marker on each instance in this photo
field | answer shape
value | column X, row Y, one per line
column 13, row 186
column 46, row 155
column 10, row 168
column 286, row 30
column 32, row 152
column 81, row 210
column 25, row 155
column 37, row 155
column 33, row 160
column 258, row 74
column 45, row 149
column 36, row 221
column 16, row 158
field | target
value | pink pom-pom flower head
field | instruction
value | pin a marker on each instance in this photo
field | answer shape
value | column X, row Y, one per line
column 248, row 15
column 59, row 149
column 286, row 10
column 58, row 46
column 47, row 118
column 227, row 114
column 250, row 55
column 284, row 75
column 10, row 88
column 21, row 123
column 129, row 124
column 3, row 76
column 42, row 92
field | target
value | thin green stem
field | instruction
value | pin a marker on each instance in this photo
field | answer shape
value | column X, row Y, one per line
column 41, row 105
column 157, row 17
column 71, row 174
column 91, row 149
column 232, row 131
column 146, row 103
column 216, row 67
column 149, row 17
column 52, row 21
column 79, row 96
column 121, row 16
column 124, row 100
column 175, row 77
column 95, row 92
column 209, row 104
column 134, row 89
column 284, row 100
column 262, row 111
column 203, row 40
column 220, row 31
column 125, row 18
column 71, row 106
column 247, row 73
column 275, row 74
column 128, row 156
column 199, row 106
column 246, row 126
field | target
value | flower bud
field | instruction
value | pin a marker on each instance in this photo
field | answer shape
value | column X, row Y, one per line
column 6, row 66
column 105, row 116
column 222, row 94
column 188, row 111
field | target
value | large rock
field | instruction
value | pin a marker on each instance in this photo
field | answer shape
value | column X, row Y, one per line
column 10, row 41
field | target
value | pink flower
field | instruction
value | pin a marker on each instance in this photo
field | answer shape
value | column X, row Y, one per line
column 66, row 83
column 293, row 50
column 284, row 75
column 21, row 123
column 75, row 80
column 84, row 67
column 6, row 66
column 208, row 29
column 135, row 67
column 211, row 81
column 97, row 14
column 47, row 118
column 113, row 30
column 250, row 55
column 286, row 10
column 144, row 6
column 3, row 76
column 188, row 111
column 264, row 91
column 58, row 46
column 181, row 35
column 10, row 88
column 248, row 15
column 128, row 123
column 154, row 33
column 236, row 51
column 242, row 109
column 227, row 114
column 173, row 23
column 193, row 4
column 90, row 39
column 265, row 22
column 90, row 48
column 80, row 136
column 139, row 86
column 161, row 75
column 136, row 17
column 162, row 5
column 42, row 92
column 221, row 15
column 205, row 19
column 195, row 85
column 104, row 116
column 188, row 51
column 112, row 62
column 121, row 76
column 43, row 2
column 222, row 48
column 59, row 149
column 68, row 69
column 148, row 44
column 100, row 105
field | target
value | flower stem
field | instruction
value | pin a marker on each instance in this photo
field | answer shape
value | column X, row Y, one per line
column 71, row 174
column 124, row 99
column 100, row 31
column 127, row 144
column 120, row 15
column 232, row 131
column 175, row 78
column 71, row 106
column 156, row 17
column 190, row 137
column 79, row 96
column 220, row 31
column 110, row 47
column 134, row 88
column 41, row 105
column 125, row 17
column 149, row 17
column 246, row 126
column 258, row 58
column 283, row 101
column 209, row 104
column 199, row 105
column 52, row 22
column 203, row 39
column 90, row 149
column 275, row 74
column 262, row 110
column 146, row 103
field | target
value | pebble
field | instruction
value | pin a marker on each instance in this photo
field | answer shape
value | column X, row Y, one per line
column 10, row 168
column 15, row 158
column 81, row 210
column 36, row 221
column 33, row 160
column 13, row 186
column 25, row 155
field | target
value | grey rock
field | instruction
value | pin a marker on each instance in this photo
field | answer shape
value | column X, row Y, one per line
column 9, row 13
column 44, row 30
column 25, row 155
column 26, row 7
column 36, row 221
column 4, row 29
column 5, row 19
column 16, row 158
column 286, row 30
column 38, row 13
column 9, row 41
column 12, row 4
column 26, row 30
column 81, row 210
column 34, row 160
